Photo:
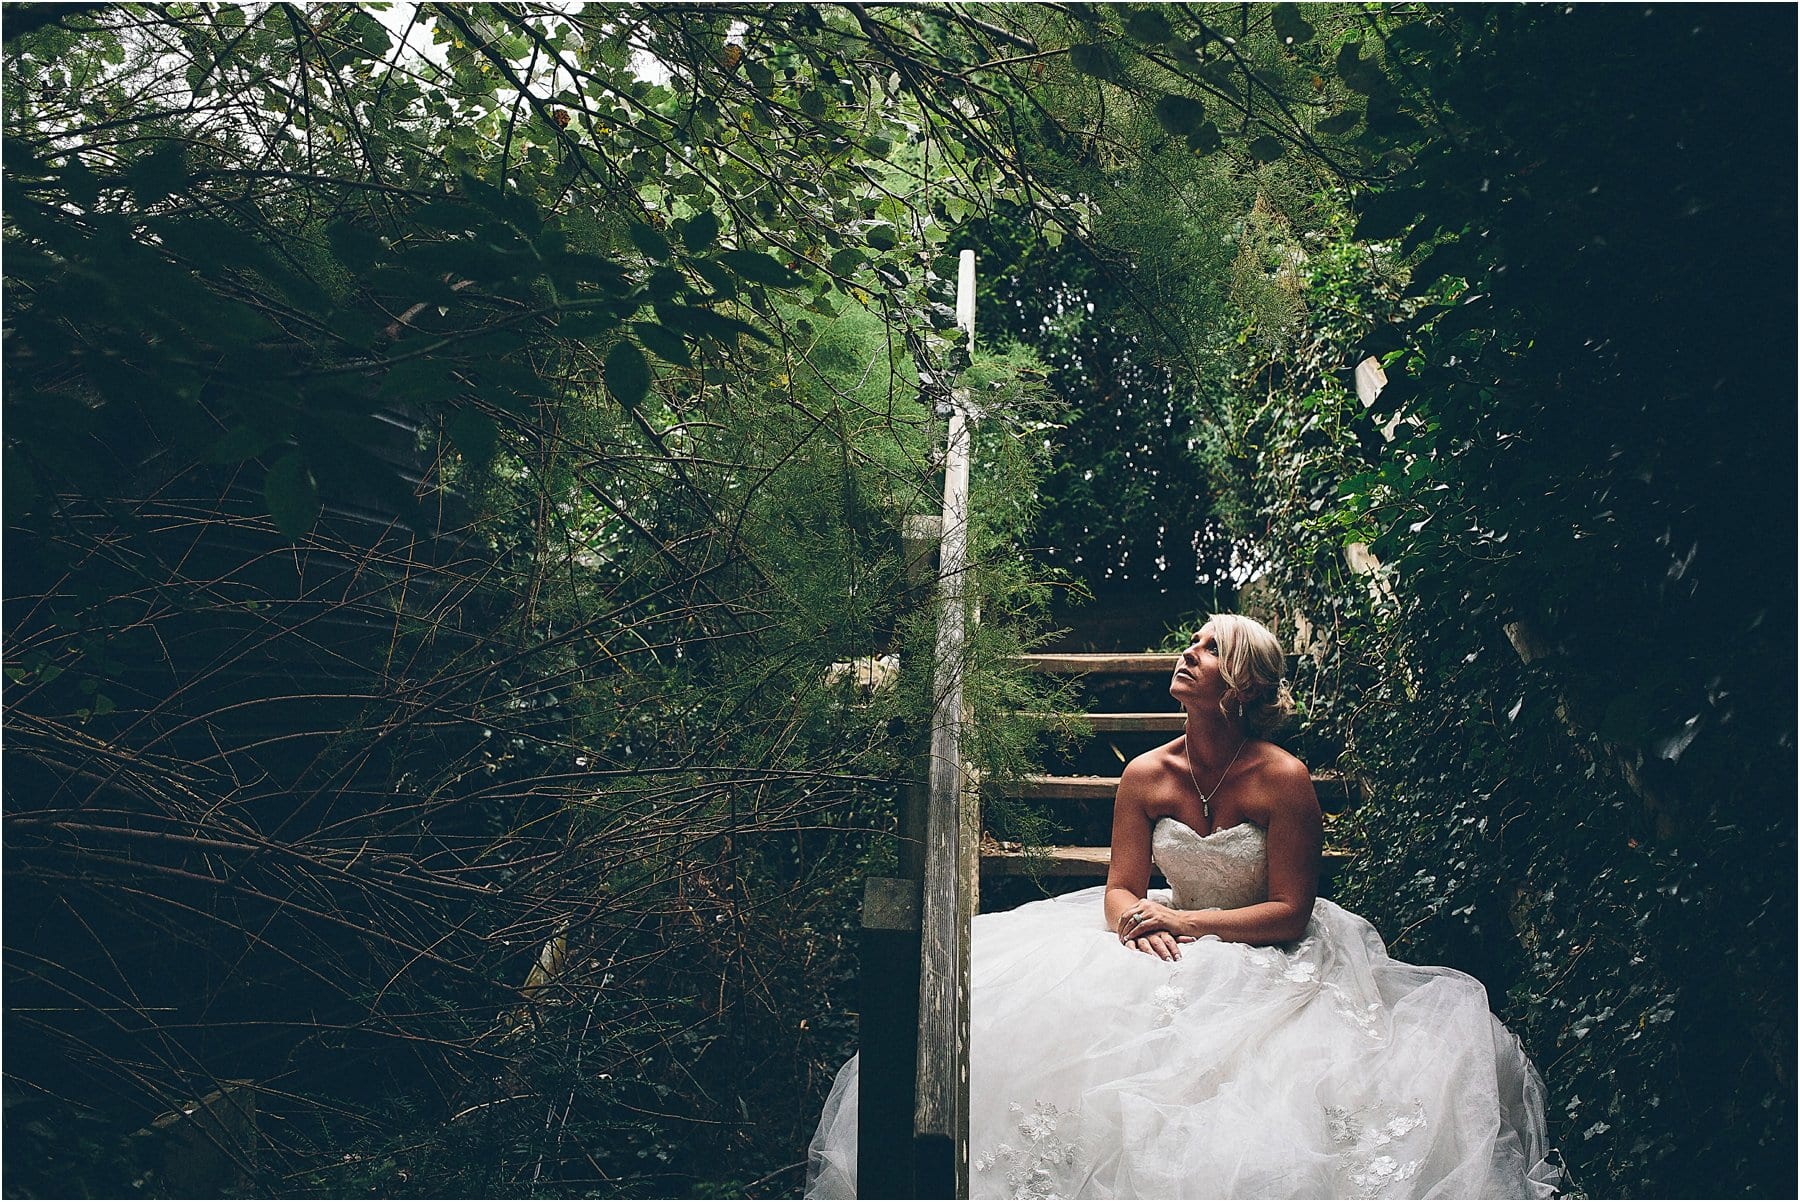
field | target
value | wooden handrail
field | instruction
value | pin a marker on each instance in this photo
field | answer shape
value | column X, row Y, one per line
column 913, row 1095
column 940, row 1114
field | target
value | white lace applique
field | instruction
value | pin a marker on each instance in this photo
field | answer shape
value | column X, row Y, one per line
column 1297, row 965
column 1372, row 1139
column 1169, row 999
column 1365, row 1018
column 1031, row 1171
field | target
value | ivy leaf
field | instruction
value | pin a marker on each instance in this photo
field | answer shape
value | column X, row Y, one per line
column 1179, row 114
column 1358, row 75
column 759, row 268
column 723, row 285
column 1090, row 59
column 355, row 247
column 666, row 343
column 1206, row 139
column 649, row 240
column 700, row 231
column 158, row 175
column 1382, row 215
column 292, row 495
column 1290, row 26
column 704, row 323
column 627, row 373
column 473, row 433
column 1148, row 26
column 244, row 442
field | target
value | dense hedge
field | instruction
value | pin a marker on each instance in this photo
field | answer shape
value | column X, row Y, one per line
column 1570, row 680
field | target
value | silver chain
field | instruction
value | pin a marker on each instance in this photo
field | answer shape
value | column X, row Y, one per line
column 1187, row 757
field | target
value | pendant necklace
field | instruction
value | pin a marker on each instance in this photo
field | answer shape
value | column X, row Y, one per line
column 1187, row 757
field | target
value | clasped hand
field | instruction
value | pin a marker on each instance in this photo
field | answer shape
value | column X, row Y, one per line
column 1154, row 929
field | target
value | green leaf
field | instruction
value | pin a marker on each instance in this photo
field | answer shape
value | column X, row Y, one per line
column 159, row 174
column 419, row 381
column 664, row 283
column 473, row 433
column 666, row 343
column 1383, row 215
column 649, row 240
column 355, row 247
column 723, row 283
column 1180, row 114
column 1148, row 26
column 812, row 103
column 700, row 231
column 882, row 237
column 759, row 268
column 704, row 323
column 1265, row 149
column 1389, row 124
column 627, row 373
column 585, row 321
column 1205, row 139
column 1358, row 75
column 1339, row 123
column 245, row 442
column 1290, row 26
column 292, row 495
column 1090, row 59
column 879, row 146
column 846, row 261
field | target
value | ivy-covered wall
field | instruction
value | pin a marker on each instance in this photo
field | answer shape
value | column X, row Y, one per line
column 1546, row 579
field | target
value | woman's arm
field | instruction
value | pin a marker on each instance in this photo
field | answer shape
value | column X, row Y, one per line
column 1128, row 874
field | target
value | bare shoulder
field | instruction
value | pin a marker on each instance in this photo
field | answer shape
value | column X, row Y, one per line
column 1149, row 765
column 1286, row 781
column 1145, row 774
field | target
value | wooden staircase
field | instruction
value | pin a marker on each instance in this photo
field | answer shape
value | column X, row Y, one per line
column 1083, row 800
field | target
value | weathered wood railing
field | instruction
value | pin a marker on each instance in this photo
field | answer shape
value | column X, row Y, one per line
column 915, row 1017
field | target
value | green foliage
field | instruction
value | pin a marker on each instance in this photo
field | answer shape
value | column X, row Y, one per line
column 483, row 736
column 1562, row 682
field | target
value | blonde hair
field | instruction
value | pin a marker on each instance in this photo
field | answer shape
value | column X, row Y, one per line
column 1250, row 663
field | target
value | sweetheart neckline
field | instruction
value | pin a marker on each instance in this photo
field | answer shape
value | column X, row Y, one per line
column 1190, row 830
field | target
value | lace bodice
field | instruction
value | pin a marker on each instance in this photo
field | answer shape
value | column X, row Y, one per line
column 1224, row 870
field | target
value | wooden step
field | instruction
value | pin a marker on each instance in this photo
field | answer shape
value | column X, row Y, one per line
column 1159, row 723
column 1336, row 791
column 1009, row 859
column 1087, row 663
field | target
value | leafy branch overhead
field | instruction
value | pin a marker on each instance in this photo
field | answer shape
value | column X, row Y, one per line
column 454, row 236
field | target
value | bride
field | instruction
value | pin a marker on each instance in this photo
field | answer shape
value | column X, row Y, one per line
column 1234, row 1036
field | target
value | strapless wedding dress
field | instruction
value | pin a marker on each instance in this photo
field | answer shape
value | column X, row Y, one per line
column 1317, row 1069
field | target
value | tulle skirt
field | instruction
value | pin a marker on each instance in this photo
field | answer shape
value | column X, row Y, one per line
column 1320, row 1069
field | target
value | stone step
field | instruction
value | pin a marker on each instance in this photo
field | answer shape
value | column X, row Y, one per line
column 1009, row 859
column 1336, row 791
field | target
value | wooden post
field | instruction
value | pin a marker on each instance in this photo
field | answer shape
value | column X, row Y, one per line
column 920, row 536
column 889, row 1038
column 940, row 1116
